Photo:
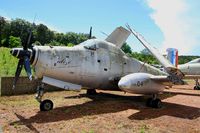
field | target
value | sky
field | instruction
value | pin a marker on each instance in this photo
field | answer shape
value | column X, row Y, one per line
column 163, row 23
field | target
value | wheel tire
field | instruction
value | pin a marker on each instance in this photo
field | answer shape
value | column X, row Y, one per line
column 91, row 92
column 46, row 105
column 149, row 102
column 197, row 87
column 157, row 103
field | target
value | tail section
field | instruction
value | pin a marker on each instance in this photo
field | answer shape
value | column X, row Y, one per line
column 118, row 36
column 172, row 56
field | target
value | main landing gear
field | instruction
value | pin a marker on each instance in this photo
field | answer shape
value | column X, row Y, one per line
column 197, row 86
column 46, row 104
column 154, row 102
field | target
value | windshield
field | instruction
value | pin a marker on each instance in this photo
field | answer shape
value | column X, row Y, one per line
column 89, row 44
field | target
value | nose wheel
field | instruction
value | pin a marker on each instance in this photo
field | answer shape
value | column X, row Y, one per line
column 46, row 105
column 154, row 102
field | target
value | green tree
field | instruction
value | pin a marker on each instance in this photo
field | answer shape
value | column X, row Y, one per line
column 55, row 43
column 14, row 41
column 2, row 24
column 70, row 45
column 41, row 33
column 126, row 48
column 4, row 32
column 20, row 28
column 144, row 58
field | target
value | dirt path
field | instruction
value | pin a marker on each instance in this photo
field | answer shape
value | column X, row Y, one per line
column 106, row 112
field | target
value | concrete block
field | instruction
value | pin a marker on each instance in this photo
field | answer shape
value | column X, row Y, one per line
column 24, row 86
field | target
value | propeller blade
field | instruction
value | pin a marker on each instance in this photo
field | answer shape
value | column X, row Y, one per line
column 17, row 73
column 27, row 67
column 90, row 35
column 28, row 41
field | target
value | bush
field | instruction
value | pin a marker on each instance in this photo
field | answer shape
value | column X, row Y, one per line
column 14, row 41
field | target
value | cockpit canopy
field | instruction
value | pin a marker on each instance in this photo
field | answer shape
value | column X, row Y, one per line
column 94, row 44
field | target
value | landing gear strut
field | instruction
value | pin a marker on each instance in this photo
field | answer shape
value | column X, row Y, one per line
column 197, row 86
column 154, row 102
column 46, row 104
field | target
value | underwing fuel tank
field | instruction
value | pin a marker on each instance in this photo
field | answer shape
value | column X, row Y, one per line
column 140, row 83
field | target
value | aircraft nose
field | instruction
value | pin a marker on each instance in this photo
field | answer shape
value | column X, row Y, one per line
column 124, row 84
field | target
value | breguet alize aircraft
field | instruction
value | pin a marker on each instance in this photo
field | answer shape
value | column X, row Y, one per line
column 96, row 64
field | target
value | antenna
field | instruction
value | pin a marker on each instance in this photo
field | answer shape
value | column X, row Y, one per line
column 104, row 33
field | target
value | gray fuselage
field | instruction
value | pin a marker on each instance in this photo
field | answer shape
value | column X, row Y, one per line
column 93, row 64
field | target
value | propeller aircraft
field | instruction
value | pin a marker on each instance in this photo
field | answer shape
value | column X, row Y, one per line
column 192, row 68
column 96, row 64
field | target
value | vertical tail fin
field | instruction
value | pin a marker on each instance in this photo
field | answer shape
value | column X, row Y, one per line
column 118, row 36
column 172, row 56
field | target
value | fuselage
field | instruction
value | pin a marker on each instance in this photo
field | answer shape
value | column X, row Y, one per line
column 190, row 68
column 93, row 64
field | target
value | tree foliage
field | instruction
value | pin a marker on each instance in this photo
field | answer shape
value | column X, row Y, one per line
column 184, row 59
column 144, row 58
column 41, row 34
column 14, row 41
column 126, row 48
column 15, row 33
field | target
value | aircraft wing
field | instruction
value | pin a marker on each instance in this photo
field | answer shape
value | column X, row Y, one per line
column 171, row 70
column 191, row 77
column 162, row 79
column 118, row 36
column 61, row 84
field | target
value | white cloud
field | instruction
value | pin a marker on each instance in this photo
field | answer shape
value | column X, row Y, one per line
column 171, row 16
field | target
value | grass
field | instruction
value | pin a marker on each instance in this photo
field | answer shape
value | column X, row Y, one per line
column 144, row 129
column 8, row 63
column 24, row 100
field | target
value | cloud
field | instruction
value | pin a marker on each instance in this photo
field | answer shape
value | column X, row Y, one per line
column 172, row 17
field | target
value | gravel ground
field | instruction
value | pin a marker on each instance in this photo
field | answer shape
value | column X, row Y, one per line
column 108, row 111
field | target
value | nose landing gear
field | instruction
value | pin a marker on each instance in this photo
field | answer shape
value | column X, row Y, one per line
column 45, row 105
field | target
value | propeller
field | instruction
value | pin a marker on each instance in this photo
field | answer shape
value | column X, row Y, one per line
column 90, row 34
column 24, row 56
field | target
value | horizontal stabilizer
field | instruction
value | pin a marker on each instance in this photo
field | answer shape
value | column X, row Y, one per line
column 118, row 36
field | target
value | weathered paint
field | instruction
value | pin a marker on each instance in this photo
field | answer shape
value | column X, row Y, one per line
column 93, row 64
column 140, row 83
column 190, row 69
